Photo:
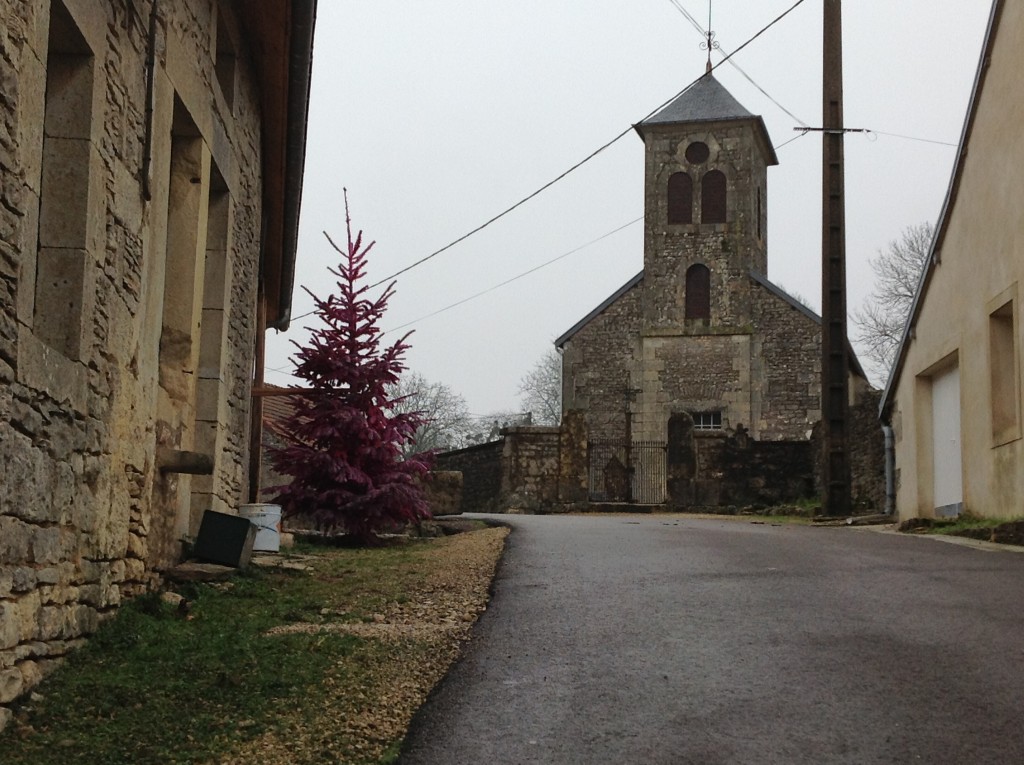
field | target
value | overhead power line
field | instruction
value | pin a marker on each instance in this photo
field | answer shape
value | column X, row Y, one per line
column 586, row 159
column 704, row 33
column 545, row 264
column 912, row 138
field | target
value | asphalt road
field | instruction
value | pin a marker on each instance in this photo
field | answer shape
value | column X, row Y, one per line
column 667, row 639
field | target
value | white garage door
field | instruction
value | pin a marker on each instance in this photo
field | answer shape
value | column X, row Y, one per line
column 948, row 483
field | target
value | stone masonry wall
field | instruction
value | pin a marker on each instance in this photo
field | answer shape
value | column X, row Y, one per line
column 736, row 470
column 598, row 366
column 83, row 507
column 728, row 249
column 530, row 469
column 865, row 453
column 481, row 474
column 788, row 352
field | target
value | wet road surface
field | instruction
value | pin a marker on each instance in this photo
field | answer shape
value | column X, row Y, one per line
column 668, row 639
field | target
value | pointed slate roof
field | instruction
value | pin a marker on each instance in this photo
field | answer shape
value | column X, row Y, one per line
column 704, row 101
column 707, row 100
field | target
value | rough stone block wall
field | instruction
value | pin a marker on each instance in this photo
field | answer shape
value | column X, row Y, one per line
column 789, row 379
column 530, row 469
column 481, row 474
column 866, row 453
column 597, row 366
column 728, row 249
column 698, row 373
column 444, row 492
column 80, row 501
column 736, row 470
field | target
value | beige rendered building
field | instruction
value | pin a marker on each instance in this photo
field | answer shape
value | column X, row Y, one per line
column 151, row 160
column 954, row 396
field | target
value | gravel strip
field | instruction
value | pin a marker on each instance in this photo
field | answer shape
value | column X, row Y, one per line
column 418, row 640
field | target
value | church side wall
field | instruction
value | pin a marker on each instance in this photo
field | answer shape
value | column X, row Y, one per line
column 597, row 367
column 788, row 383
column 86, row 517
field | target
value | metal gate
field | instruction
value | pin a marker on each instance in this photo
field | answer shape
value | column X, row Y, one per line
column 649, row 472
column 621, row 473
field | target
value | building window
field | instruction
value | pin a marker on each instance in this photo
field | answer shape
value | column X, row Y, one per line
column 64, row 199
column 698, row 292
column 680, row 198
column 707, row 420
column 1003, row 364
column 697, row 153
column 712, row 197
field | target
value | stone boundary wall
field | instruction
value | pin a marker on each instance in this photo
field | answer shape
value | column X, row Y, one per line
column 530, row 469
column 443, row 489
column 866, row 453
column 480, row 466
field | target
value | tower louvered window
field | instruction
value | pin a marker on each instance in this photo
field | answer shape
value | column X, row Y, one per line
column 712, row 197
column 698, row 292
column 680, row 198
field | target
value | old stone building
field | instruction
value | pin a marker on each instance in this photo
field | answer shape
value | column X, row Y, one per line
column 699, row 379
column 150, row 171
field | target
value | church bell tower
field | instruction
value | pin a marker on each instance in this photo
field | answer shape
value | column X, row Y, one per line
column 705, row 211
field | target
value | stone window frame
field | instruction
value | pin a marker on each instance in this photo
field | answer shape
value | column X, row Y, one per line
column 714, row 197
column 68, row 199
column 1004, row 367
column 50, row 360
column 211, row 387
column 679, row 198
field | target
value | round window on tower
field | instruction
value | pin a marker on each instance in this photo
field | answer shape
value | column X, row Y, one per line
column 697, row 153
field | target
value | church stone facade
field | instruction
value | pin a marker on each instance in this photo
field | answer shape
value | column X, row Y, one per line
column 699, row 352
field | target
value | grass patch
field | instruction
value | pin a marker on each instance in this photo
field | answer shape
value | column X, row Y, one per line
column 207, row 684
column 967, row 522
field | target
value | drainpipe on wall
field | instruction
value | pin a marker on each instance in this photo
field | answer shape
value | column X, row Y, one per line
column 890, row 470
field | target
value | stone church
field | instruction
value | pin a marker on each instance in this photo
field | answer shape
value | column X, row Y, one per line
column 699, row 379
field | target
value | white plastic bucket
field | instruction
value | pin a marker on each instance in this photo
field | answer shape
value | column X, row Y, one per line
column 267, row 520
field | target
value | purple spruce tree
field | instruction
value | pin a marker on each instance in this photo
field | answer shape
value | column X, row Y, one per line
column 342, row 443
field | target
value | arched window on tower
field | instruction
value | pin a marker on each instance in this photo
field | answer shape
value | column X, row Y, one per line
column 698, row 292
column 680, row 198
column 712, row 197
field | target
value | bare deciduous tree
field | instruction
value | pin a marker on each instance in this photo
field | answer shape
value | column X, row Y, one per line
column 540, row 389
column 881, row 320
column 445, row 414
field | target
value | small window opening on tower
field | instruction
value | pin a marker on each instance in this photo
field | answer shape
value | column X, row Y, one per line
column 712, row 197
column 697, row 153
column 680, row 198
column 698, row 292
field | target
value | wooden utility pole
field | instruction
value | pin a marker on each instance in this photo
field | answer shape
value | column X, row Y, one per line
column 834, row 360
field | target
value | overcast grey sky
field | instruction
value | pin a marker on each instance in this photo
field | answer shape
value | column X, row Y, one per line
column 438, row 115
